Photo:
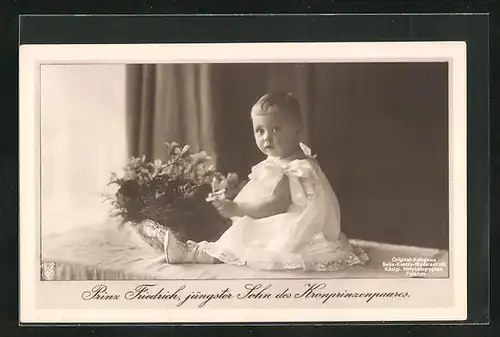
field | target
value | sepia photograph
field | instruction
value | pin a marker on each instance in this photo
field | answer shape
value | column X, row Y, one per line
column 252, row 170
column 324, row 170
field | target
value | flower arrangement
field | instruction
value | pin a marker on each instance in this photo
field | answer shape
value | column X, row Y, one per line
column 156, row 196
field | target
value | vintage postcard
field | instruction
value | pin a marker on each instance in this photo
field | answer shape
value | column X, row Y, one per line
column 274, row 182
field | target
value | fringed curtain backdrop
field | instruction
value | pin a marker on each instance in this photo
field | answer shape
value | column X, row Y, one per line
column 379, row 130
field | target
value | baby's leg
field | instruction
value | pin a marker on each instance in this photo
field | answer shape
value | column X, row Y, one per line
column 177, row 252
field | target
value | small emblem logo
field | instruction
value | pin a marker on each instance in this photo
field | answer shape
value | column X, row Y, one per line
column 48, row 271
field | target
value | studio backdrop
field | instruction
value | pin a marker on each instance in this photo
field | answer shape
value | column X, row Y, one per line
column 380, row 132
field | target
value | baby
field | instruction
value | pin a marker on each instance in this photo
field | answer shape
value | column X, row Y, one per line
column 287, row 216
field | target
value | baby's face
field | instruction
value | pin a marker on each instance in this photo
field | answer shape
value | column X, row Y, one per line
column 276, row 135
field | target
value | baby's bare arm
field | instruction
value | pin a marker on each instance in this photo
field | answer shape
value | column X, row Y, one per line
column 277, row 203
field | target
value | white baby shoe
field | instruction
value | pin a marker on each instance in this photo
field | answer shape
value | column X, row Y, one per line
column 177, row 252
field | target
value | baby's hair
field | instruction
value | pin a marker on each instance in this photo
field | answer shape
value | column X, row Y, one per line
column 278, row 102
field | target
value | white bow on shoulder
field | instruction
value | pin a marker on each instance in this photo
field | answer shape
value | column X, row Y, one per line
column 307, row 151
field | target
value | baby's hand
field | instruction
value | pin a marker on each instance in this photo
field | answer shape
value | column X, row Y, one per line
column 227, row 208
column 218, row 195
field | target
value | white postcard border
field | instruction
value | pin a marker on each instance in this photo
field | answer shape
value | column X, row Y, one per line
column 32, row 56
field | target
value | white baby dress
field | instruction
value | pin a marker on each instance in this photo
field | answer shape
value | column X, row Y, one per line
column 307, row 236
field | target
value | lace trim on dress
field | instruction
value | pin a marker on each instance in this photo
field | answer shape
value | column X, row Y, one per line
column 358, row 256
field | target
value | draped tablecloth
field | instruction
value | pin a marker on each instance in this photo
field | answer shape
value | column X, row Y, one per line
column 111, row 252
